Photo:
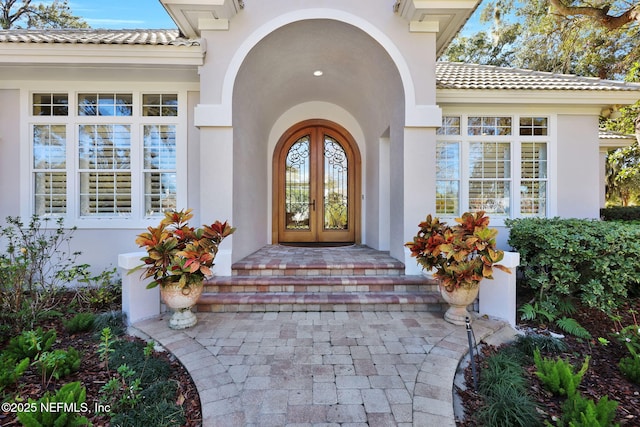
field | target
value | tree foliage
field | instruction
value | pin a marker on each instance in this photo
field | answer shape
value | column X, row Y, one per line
column 27, row 14
column 623, row 174
column 558, row 36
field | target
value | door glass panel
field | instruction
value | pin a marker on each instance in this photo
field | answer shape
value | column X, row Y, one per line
column 297, row 185
column 336, row 189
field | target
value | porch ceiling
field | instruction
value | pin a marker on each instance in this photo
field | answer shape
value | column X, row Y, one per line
column 358, row 74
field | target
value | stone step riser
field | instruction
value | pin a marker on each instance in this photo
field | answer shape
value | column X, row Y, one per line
column 300, row 271
column 316, row 288
column 339, row 301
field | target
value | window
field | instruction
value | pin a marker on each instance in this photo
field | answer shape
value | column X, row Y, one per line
column 104, row 155
column 447, row 177
column 485, row 169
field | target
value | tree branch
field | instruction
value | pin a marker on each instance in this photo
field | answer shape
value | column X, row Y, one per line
column 600, row 15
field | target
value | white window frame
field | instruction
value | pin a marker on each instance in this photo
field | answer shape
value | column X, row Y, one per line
column 515, row 141
column 73, row 218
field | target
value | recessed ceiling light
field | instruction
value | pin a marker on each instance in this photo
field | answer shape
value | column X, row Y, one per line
column 318, row 73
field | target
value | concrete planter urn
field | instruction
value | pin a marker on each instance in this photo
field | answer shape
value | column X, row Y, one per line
column 179, row 258
column 458, row 300
column 180, row 300
column 458, row 256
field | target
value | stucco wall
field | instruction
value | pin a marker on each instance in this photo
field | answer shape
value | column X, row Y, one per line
column 9, row 153
column 578, row 167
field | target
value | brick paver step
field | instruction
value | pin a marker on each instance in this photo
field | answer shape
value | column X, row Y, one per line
column 319, row 301
column 347, row 283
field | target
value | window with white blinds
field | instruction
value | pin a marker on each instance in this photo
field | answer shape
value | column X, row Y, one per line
column 104, row 155
column 486, row 163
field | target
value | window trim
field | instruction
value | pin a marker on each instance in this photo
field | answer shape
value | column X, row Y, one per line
column 515, row 140
column 138, row 218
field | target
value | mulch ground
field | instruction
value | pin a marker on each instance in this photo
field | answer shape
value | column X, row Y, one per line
column 603, row 377
column 93, row 375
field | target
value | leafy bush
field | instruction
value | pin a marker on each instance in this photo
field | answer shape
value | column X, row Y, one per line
column 557, row 375
column 11, row 369
column 620, row 213
column 593, row 261
column 57, row 363
column 31, row 343
column 72, row 398
column 578, row 411
column 36, row 263
column 81, row 322
column 100, row 292
column 630, row 337
column 630, row 368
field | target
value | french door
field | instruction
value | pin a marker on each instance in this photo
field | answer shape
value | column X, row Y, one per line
column 316, row 168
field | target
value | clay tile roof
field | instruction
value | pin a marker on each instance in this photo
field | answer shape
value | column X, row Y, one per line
column 93, row 36
column 456, row 75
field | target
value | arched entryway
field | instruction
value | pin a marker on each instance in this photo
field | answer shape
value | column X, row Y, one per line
column 316, row 185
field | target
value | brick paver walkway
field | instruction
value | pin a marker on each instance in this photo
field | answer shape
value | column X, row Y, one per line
column 321, row 368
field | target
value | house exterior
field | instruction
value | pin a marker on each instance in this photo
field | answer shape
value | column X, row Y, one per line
column 308, row 121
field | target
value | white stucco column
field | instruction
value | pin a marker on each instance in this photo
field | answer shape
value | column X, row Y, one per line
column 138, row 302
column 603, row 176
column 216, row 186
column 419, row 185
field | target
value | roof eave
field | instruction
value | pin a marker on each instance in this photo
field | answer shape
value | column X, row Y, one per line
column 42, row 53
column 590, row 97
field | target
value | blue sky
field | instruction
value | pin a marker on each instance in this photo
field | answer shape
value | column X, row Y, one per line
column 119, row 14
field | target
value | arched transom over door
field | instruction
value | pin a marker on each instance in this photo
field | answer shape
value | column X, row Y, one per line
column 316, row 194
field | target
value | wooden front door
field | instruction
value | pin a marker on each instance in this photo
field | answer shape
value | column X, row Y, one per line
column 316, row 163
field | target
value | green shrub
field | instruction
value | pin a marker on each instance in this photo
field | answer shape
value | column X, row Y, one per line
column 11, row 369
column 578, row 411
column 35, row 263
column 57, row 363
column 630, row 368
column 504, row 388
column 630, row 337
column 527, row 344
column 593, row 261
column 557, row 375
column 114, row 320
column 501, row 369
column 31, row 343
column 132, row 353
column 508, row 407
column 81, row 322
column 72, row 401
column 620, row 213
column 161, row 413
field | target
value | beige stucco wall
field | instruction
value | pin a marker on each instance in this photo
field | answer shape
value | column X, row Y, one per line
column 578, row 166
column 9, row 153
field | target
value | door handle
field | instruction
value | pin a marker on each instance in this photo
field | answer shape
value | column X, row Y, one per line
column 313, row 204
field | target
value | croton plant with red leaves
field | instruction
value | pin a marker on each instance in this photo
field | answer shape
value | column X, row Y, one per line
column 462, row 254
column 179, row 254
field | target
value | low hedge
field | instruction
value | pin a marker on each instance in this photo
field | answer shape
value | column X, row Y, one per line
column 620, row 213
column 595, row 261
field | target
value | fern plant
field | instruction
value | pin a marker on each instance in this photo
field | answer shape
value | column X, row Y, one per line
column 31, row 343
column 81, row 322
column 557, row 375
column 579, row 411
column 11, row 370
column 71, row 398
column 630, row 367
column 57, row 364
